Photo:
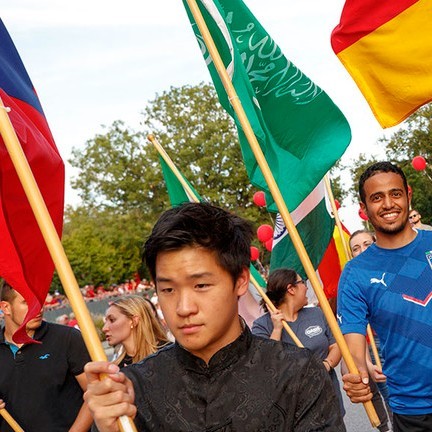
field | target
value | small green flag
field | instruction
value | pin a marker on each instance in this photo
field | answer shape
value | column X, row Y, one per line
column 176, row 192
column 302, row 133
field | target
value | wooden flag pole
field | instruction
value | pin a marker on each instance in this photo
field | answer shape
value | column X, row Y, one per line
column 190, row 193
column 11, row 421
column 347, row 251
column 193, row 197
column 373, row 346
column 348, row 256
column 277, row 196
column 53, row 243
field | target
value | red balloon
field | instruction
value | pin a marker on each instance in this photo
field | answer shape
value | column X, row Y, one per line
column 419, row 163
column 269, row 244
column 254, row 253
column 259, row 199
column 264, row 233
column 337, row 204
column 362, row 214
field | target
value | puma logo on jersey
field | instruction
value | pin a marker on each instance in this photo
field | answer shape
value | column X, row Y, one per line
column 379, row 281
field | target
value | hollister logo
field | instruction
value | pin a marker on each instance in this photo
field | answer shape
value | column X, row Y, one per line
column 429, row 258
column 313, row 331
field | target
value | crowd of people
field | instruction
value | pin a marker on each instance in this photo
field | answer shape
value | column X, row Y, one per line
column 211, row 372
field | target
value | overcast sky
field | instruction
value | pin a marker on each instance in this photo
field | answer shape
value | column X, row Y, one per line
column 93, row 62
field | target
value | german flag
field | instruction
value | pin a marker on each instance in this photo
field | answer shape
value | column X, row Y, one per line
column 386, row 46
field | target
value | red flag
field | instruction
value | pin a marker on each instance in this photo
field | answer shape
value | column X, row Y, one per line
column 25, row 262
column 333, row 262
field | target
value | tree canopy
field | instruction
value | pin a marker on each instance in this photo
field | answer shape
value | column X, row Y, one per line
column 121, row 185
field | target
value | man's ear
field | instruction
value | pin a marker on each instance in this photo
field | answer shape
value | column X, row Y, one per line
column 364, row 209
column 5, row 307
column 242, row 283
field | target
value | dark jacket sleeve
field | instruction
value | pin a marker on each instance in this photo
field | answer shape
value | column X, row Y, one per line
column 317, row 404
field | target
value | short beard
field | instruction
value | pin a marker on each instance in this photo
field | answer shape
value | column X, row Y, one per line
column 391, row 230
column 395, row 230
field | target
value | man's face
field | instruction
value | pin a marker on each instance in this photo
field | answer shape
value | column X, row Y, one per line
column 15, row 312
column 386, row 203
column 414, row 218
column 199, row 299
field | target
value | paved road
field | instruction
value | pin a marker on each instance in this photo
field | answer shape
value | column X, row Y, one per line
column 356, row 419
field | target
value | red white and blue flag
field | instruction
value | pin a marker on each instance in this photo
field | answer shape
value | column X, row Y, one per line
column 25, row 262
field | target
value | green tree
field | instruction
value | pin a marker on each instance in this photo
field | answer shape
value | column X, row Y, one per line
column 121, row 185
column 202, row 141
column 120, row 170
column 101, row 245
column 338, row 189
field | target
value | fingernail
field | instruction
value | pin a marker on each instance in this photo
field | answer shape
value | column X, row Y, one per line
column 365, row 380
column 112, row 368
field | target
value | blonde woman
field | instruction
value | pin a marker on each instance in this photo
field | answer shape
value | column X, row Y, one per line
column 131, row 324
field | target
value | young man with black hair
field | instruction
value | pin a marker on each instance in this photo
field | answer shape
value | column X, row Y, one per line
column 390, row 286
column 41, row 383
column 217, row 376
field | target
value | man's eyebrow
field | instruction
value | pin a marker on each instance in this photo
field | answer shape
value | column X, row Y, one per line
column 192, row 276
column 162, row 279
column 199, row 275
column 383, row 192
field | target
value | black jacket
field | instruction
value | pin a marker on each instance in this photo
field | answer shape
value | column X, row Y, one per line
column 251, row 385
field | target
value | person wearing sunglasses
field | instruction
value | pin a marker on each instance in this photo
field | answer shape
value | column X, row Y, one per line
column 415, row 221
column 287, row 290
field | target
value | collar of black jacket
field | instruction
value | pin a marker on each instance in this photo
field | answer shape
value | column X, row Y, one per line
column 222, row 359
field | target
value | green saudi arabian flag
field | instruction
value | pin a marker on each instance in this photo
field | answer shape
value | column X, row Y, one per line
column 302, row 133
column 315, row 224
column 178, row 195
